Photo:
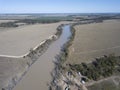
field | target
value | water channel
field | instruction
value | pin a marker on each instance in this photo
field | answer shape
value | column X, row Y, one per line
column 38, row 76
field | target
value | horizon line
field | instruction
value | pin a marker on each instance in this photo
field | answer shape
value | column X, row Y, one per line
column 65, row 13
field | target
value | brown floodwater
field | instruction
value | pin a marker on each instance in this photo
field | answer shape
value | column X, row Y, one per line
column 38, row 76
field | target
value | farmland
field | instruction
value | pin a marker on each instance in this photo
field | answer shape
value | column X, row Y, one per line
column 18, row 41
column 94, row 40
column 91, row 42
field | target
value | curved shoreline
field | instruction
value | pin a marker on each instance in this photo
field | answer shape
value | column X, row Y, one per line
column 28, row 59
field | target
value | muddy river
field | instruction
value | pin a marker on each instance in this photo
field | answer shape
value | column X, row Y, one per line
column 38, row 76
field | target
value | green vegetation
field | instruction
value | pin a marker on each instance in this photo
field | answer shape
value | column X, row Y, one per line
column 8, row 24
column 60, row 18
column 45, row 20
column 33, row 21
column 28, row 21
column 37, row 20
column 101, row 67
column 54, row 19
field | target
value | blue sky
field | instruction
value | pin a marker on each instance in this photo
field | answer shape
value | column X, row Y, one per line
column 59, row 6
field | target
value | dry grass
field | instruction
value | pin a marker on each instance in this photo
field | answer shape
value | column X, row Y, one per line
column 95, row 40
column 18, row 41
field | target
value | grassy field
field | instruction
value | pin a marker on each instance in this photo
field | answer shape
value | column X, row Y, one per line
column 95, row 40
column 18, row 41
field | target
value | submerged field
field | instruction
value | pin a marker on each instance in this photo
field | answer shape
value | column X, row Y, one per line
column 18, row 41
column 95, row 40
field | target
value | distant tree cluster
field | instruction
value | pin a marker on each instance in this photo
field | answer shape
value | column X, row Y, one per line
column 33, row 21
column 28, row 21
column 102, row 67
column 8, row 24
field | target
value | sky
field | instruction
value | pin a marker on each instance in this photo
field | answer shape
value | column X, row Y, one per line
column 59, row 6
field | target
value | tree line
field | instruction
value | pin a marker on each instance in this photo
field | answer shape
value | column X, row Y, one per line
column 100, row 68
column 8, row 24
column 28, row 21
